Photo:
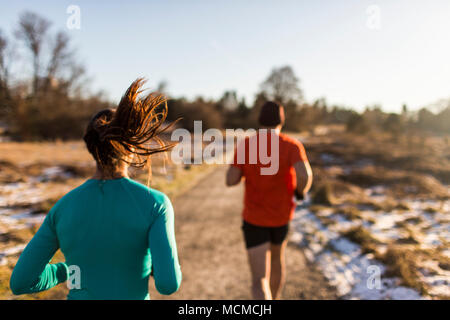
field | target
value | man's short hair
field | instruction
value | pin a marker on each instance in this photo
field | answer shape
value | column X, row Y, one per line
column 271, row 114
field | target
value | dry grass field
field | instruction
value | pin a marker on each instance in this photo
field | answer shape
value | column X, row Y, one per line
column 384, row 201
column 375, row 201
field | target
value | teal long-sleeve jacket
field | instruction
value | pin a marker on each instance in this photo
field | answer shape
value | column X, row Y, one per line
column 112, row 232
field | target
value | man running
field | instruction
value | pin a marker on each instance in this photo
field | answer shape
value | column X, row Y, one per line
column 269, row 197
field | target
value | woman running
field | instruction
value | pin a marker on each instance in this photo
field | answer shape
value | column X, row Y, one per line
column 268, row 201
column 113, row 231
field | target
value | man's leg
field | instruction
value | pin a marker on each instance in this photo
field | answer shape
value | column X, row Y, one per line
column 259, row 260
column 277, row 268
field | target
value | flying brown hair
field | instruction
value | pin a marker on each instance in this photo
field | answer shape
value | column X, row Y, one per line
column 128, row 132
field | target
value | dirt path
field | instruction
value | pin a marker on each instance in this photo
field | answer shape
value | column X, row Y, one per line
column 212, row 252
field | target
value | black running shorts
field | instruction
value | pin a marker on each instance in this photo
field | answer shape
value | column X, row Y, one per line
column 256, row 235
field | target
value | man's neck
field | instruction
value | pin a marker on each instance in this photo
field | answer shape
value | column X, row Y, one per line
column 277, row 129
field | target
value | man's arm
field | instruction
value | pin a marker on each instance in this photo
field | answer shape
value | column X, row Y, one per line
column 304, row 176
column 234, row 176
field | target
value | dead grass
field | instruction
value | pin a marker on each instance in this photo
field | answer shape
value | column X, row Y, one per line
column 401, row 263
column 328, row 191
column 326, row 221
column 402, row 206
column 405, row 261
column 15, row 236
column 324, row 195
column 48, row 153
column 361, row 236
column 317, row 207
column 409, row 169
column 351, row 213
column 5, row 275
column 400, row 182
column 182, row 179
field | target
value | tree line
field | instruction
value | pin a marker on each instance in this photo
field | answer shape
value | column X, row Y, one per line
column 42, row 84
column 50, row 101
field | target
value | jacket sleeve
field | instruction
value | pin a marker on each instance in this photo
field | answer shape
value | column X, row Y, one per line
column 163, row 248
column 33, row 273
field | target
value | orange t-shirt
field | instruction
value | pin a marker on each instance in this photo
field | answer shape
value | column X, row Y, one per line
column 268, row 199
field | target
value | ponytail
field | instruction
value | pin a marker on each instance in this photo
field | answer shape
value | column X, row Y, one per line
column 113, row 135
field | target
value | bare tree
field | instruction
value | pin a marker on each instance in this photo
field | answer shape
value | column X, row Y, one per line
column 32, row 30
column 3, row 63
column 229, row 100
column 282, row 86
column 74, row 83
column 6, row 53
column 54, row 63
column 162, row 87
column 60, row 56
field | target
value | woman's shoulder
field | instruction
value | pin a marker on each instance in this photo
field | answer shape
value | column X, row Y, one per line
column 148, row 193
column 69, row 198
column 74, row 192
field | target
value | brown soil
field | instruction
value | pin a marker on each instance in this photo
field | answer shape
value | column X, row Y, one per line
column 212, row 253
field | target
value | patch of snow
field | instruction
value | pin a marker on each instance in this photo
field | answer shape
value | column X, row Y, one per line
column 402, row 293
column 29, row 217
column 345, row 246
column 327, row 158
column 12, row 250
column 343, row 263
column 52, row 173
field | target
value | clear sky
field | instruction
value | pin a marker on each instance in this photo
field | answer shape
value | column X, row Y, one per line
column 340, row 50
